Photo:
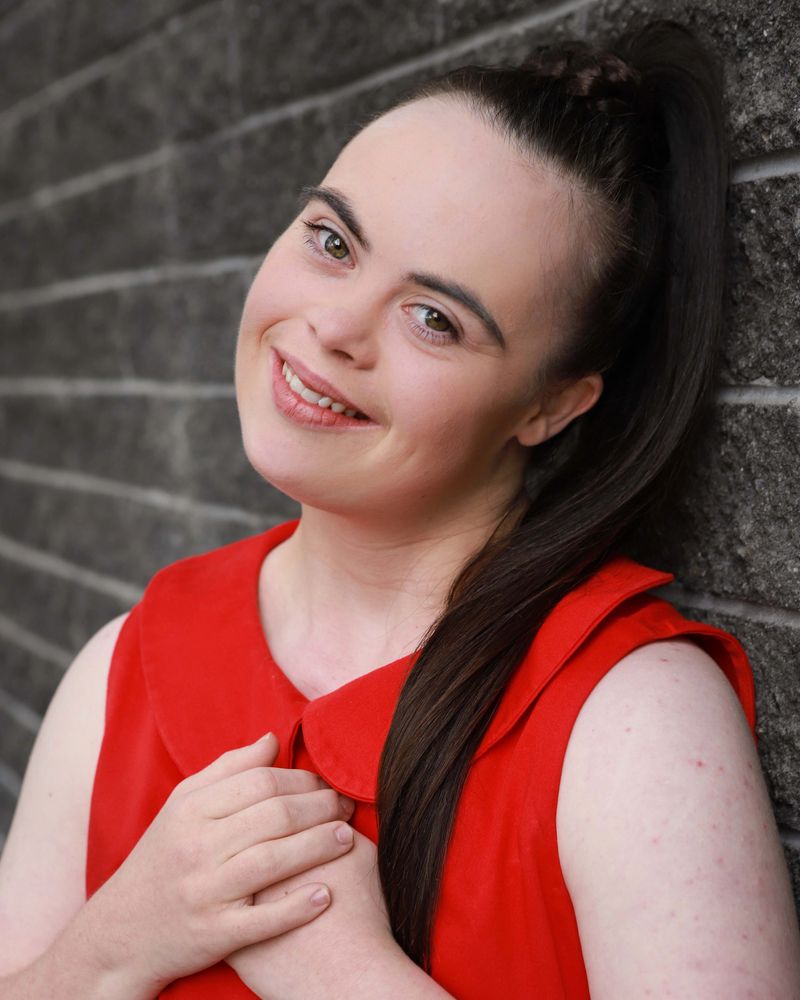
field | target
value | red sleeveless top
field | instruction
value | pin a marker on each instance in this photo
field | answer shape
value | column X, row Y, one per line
column 192, row 676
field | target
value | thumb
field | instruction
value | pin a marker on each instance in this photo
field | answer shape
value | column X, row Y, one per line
column 262, row 752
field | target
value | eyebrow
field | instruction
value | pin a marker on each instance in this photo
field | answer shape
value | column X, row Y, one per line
column 344, row 209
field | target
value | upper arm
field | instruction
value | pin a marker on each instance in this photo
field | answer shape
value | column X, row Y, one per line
column 43, row 864
column 667, row 839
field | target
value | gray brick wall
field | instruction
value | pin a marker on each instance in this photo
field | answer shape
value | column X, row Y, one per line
column 149, row 153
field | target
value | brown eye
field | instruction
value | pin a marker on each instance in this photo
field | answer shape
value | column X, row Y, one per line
column 335, row 245
column 439, row 318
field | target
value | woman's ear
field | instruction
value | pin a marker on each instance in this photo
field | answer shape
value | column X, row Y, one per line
column 558, row 408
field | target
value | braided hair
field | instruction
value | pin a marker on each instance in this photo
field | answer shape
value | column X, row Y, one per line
column 636, row 128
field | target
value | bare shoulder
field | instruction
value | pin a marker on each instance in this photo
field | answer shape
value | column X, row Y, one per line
column 667, row 839
column 42, row 867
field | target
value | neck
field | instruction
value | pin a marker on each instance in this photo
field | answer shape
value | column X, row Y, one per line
column 361, row 594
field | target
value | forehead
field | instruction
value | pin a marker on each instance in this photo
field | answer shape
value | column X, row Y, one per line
column 437, row 188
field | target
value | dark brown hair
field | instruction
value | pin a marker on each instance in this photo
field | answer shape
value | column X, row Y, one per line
column 638, row 130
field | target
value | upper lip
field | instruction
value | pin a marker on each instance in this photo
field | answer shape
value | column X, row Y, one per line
column 316, row 382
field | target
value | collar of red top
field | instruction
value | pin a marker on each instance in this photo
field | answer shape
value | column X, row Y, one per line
column 209, row 672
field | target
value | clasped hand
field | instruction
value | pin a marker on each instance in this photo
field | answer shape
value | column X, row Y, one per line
column 240, row 863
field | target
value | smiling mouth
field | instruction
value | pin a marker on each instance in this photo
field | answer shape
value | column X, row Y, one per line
column 297, row 385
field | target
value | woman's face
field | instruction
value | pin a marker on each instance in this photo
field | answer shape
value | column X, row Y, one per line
column 437, row 198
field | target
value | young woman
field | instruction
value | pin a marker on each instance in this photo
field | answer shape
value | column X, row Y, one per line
column 476, row 358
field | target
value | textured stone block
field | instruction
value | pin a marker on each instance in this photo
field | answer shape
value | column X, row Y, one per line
column 62, row 611
column 200, row 65
column 26, row 52
column 86, row 30
column 28, row 677
column 112, row 118
column 759, row 46
column 774, row 653
column 122, row 224
column 189, row 447
column 763, row 339
column 183, row 330
column 16, row 741
column 25, row 156
column 281, row 59
column 123, row 538
column 792, row 855
column 734, row 529
column 8, row 803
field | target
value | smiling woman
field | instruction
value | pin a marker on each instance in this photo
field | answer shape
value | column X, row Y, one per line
column 477, row 358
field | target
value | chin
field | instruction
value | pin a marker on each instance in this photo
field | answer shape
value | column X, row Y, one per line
column 282, row 469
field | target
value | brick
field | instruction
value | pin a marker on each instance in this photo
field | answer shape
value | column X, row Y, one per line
column 16, row 741
column 112, row 118
column 8, row 803
column 764, row 283
column 26, row 52
column 733, row 530
column 122, row 538
column 182, row 330
column 282, row 60
column 61, row 611
column 774, row 653
column 27, row 676
column 189, row 447
column 759, row 46
column 122, row 224
column 200, row 73
column 26, row 151
column 87, row 30
column 792, row 856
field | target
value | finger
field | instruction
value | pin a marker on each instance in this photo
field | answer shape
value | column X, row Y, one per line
column 280, row 816
column 251, row 924
column 260, row 866
column 260, row 753
column 240, row 791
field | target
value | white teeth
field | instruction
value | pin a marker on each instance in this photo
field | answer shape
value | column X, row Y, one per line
column 314, row 397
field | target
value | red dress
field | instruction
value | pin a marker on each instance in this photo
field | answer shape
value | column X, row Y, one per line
column 192, row 676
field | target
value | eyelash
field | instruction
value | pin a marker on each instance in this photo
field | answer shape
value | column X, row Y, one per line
column 434, row 336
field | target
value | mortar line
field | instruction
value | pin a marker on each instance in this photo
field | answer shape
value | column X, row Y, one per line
column 735, row 607
column 97, row 284
column 760, row 395
column 10, row 780
column 78, row 388
column 46, row 562
column 789, row 836
column 774, row 163
column 21, row 637
column 147, row 496
column 22, row 714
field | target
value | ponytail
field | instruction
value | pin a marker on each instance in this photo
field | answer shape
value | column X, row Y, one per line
column 639, row 129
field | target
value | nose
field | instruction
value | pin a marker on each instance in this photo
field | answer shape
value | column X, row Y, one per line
column 347, row 328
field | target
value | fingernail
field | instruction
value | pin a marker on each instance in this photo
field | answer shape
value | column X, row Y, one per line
column 264, row 738
column 321, row 897
column 344, row 834
column 347, row 804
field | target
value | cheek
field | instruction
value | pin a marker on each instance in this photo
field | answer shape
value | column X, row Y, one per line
column 455, row 420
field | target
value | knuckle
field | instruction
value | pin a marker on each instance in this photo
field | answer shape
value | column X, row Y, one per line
column 266, row 782
column 278, row 815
